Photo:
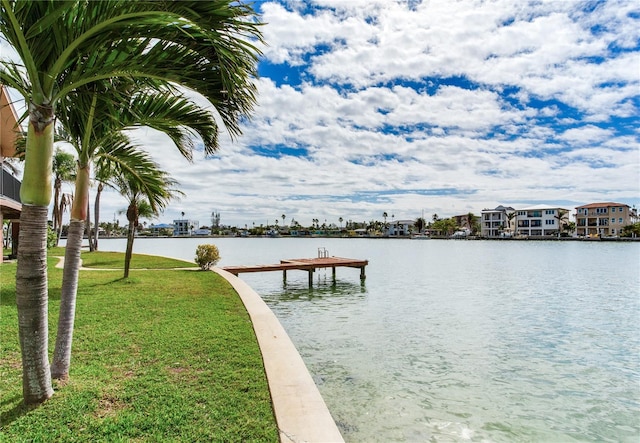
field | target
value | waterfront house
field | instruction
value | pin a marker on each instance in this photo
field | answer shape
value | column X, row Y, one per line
column 161, row 229
column 540, row 221
column 185, row 227
column 496, row 223
column 10, row 204
column 603, row 219
column 400, row 228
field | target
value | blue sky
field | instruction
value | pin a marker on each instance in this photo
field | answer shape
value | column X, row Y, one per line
column 433, row 107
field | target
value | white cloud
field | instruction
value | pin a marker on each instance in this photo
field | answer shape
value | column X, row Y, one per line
column 494, row 102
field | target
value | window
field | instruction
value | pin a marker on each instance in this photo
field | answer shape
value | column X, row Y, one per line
column 601, row 210
column 613, row 209
column 620, row 220
column 613, row 220
column 535, row 214
column 536, row 223
column 522, row 213
column 550, row 211
column 549, row 222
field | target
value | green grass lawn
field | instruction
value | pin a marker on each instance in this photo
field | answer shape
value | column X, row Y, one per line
column 165, row 355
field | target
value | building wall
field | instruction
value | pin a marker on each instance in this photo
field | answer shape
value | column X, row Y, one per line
column 538, row 221
column 603, row 219
column 494, row 222
column 185, row 227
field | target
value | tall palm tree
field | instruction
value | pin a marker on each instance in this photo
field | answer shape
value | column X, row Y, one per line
column 105, row 142
column 206, row 46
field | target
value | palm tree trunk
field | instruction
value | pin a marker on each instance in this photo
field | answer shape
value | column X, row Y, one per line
column 62, row 351
column 96, row 216
column 32, row 303
column 88, row 230
column 31, row 276
column 129, row 252
column 57, row 217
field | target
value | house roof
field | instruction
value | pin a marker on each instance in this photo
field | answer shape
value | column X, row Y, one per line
column 540, row 208
column 9, row 124
column 601, row 205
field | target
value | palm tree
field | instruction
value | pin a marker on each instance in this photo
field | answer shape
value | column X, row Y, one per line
column 420, row 223
column 104, row 142
column 472, row 221
column 510, row 217
column 64, row 168
column 148, row 190
column 562, row 219
column 206, row 46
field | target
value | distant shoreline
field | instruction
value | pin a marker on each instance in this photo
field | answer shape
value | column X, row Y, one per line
column 536, row 238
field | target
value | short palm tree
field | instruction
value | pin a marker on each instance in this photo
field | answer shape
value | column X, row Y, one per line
column 147, row 192
column 206, row 46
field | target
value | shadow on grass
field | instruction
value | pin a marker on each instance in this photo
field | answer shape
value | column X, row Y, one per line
column 8, row 297
column 17, row 411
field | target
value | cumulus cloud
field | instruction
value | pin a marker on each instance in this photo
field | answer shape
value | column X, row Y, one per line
column 371, row 106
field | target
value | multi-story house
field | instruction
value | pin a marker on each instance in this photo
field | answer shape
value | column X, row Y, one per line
column 10, row 205
column 496, row 222
column 603, row 219
column 400, row 228
column 540, row 221
column 185, row 227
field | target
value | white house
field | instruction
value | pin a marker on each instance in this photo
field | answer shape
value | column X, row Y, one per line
column 185, row 227
column 399, row 228
column 495, row 222
column 540, row 220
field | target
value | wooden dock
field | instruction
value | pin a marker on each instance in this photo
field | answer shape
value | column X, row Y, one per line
column 304, row 264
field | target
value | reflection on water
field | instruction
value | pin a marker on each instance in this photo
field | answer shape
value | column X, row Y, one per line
column 464, row 341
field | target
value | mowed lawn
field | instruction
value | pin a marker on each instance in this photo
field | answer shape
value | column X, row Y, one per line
column 165, row 355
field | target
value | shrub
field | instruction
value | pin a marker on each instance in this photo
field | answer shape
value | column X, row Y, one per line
column 52, row 238
column 207, row 256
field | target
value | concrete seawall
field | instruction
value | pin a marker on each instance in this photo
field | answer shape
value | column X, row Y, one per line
column 301, row 413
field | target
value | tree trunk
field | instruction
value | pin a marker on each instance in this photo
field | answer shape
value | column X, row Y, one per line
column 127, row 256
column 62, row 352
column 96, row 216
column 56, row 215
column 31, row 276
column 88, row 230
column 32, row 303
column 132, row 216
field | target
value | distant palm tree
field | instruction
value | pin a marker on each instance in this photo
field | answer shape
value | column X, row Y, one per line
column 510, row 217
column 340, row 220
column 562, row 219
column 64, row 168
column 147, row 192
column 472, row 220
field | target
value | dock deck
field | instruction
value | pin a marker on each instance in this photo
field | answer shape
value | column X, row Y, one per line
column 303, row 264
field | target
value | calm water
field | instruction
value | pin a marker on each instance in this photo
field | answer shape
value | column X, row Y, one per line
column 452, row 341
